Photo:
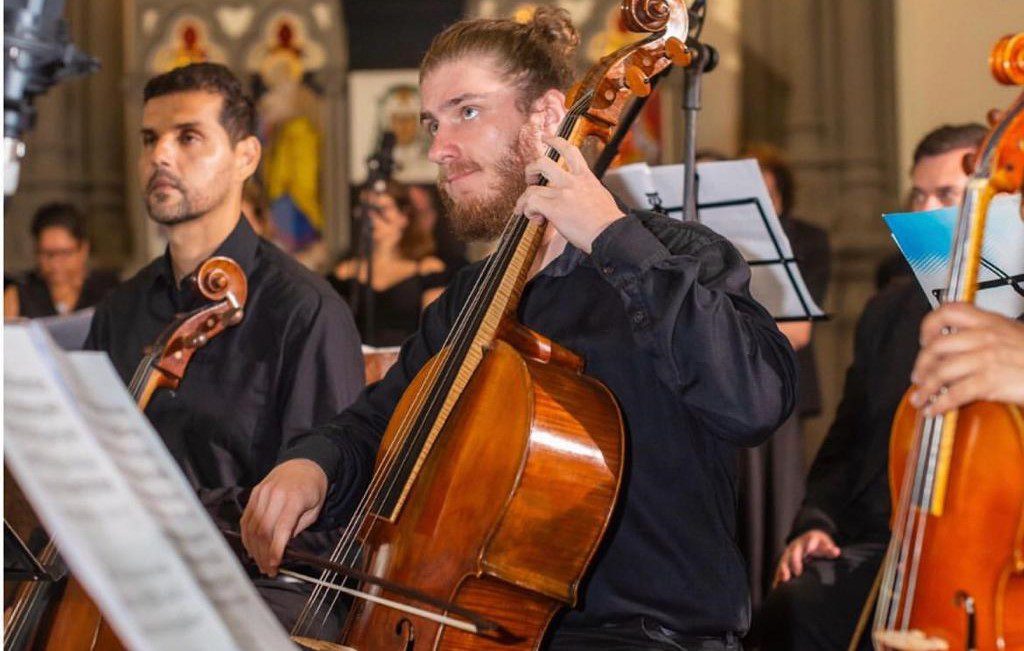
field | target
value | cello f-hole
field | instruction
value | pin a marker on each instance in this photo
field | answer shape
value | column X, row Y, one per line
column 404, row 628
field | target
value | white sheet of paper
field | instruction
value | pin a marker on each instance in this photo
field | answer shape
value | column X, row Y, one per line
column 157, row 481
column 115, row 528
column 732, row 201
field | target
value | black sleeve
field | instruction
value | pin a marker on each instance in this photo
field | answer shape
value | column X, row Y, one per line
column 686, row 290
column 346, row 445
column 321, row 375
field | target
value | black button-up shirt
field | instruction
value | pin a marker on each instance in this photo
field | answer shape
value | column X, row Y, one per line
column 662, row 314
column 292, row 362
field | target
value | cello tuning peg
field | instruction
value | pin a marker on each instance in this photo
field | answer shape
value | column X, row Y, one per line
column 677, row 51
column 637, row 82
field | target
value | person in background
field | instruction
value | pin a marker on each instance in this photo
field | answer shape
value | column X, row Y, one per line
column 256, row 210
column 406, row 275
column 62, row 282
column 937, row 182
column 775, row 470
column 838, row 539
column 429, row 217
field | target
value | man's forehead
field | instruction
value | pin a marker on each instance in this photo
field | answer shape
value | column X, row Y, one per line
column 193, row 106
column 458, row 80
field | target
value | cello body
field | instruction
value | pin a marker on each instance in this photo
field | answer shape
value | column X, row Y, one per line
column 532, row 446
column 976, row 547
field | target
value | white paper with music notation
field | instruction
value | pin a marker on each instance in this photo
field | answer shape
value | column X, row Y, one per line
column 123, row 516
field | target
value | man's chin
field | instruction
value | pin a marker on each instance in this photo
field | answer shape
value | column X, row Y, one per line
column 172, row 218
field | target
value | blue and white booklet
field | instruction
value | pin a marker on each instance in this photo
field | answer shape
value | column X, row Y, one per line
column 925, row 239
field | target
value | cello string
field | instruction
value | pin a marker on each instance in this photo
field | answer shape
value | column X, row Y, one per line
column 889, row 594
column 922, row 518
column 518, row 224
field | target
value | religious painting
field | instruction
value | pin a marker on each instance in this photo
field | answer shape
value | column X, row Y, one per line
column 283, row 64
column 188, row 41
column 388, row 101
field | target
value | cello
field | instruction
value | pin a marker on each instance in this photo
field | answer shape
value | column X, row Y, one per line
column 953, row 574
column 503, row 524
column 77, row 624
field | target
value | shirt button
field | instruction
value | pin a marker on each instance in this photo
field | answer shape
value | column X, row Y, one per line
column 639, row 319
column 608, row 270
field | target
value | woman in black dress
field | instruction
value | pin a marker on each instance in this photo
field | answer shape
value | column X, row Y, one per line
column 406, row 275
column 62, row 282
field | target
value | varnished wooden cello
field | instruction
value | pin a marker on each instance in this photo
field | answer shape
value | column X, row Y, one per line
column 953, row 575
column 500, row 466
column 76, row 624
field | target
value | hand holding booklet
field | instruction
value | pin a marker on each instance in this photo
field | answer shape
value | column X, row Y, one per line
column 124, row 518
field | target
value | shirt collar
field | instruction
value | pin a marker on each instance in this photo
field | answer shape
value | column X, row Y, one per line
column 240, row 245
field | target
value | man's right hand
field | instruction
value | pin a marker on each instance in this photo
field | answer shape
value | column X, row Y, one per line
column 815, row 544
column 287, row 501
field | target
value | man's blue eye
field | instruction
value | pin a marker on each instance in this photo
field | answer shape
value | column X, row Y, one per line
column 470, row 112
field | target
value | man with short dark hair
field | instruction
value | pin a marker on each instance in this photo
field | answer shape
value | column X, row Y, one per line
column 660, row 311
column 839, row 536
column 292, row 361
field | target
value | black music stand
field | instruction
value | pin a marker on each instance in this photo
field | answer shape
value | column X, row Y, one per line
column 20, row 564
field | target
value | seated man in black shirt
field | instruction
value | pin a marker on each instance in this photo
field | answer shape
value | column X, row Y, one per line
column 660, row 311
column 294, row 359
column 839, row 535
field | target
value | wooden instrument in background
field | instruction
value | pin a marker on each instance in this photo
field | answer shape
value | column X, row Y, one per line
column 953, row 575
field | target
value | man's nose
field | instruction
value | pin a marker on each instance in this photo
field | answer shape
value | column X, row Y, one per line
column 443, row 148
column 161, row 152
column 931, row 202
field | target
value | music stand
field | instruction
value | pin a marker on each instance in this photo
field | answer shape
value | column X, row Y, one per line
column 732, row 200
column 20, row 564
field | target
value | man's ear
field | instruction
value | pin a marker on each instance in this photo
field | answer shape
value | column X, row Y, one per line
column 247, row 156
column 548, row 111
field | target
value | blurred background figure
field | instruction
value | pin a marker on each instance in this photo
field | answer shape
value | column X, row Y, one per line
column 61, row 282
column 774, row 472
column 429, row 218
column 406, row 273
column 256, row 210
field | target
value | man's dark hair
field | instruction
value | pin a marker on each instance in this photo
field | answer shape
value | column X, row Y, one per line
column 237, row 115
column 59, row 215
column 949, row 137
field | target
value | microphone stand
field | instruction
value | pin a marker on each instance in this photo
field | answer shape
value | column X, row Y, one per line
column 705, row 58
column 364, row 295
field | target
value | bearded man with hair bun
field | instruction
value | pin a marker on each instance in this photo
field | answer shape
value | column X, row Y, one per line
column 660, row 311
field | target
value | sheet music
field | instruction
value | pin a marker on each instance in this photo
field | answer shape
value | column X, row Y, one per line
column 732, row 200
column 925, row 239
column 124, row 518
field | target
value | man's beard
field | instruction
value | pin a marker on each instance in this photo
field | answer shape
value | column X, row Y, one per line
column 184, row 211
column 484, row 218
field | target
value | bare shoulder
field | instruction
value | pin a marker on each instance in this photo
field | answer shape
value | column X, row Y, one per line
column 346, row 269
column 430, row 265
